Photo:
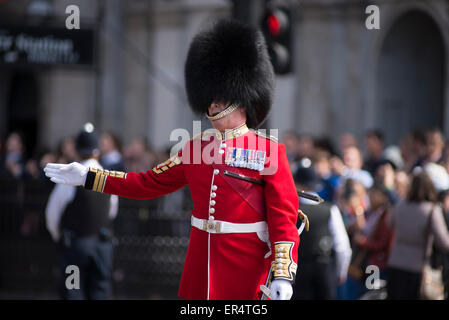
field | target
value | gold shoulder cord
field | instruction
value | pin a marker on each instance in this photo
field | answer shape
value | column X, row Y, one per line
column 96, row 178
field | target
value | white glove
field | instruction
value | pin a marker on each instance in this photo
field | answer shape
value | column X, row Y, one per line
column 281, row 290
column 73, row 174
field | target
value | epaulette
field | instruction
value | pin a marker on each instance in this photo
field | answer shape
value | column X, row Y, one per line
column 269, row 137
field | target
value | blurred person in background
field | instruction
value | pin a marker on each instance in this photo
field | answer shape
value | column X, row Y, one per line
column 443, row 197
column 353, row 163
column 385, row 177
column 306, row 146
column 325, row 250
column 291, row 142
column 374, row 241
column 440, row 179
column 67, row 151
column 324, row 143
column 330, row 181
column 438, row 174
column 445, row 159
column 402, row 184
column 413, row 150
column 81, row 223
column 34, row 168
column 411, row 221
column 47, row 158
column 35, row 186
column 353, row 202
column 392, row 153
column 347, row 140
column 374, row 145
column 110, row 150
column 138, row 155
column 435, row 145
column 12, row 162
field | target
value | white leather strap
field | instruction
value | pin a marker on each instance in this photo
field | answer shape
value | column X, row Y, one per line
column 301, row 227
column 217, row 226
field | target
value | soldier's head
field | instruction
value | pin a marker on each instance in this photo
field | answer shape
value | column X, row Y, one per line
column 228, row 74
column 86, row 142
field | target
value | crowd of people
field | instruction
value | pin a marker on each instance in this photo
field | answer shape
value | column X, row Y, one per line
column 25, row 188
column 393, row 201
column 17, row 163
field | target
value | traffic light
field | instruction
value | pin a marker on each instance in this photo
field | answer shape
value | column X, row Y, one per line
column 276, row 27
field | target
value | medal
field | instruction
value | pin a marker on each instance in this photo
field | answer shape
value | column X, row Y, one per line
column 245, row 158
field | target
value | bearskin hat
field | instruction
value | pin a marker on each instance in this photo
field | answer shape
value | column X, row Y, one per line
column 229, row 63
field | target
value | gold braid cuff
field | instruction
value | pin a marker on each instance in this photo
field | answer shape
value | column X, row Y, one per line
column 96, row 178
column 283, row 266
column 223, row 113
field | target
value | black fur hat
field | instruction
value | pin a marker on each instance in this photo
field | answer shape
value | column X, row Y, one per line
column 230, row 63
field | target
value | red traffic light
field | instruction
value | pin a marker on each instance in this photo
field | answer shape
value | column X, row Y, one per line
column 274, row 26
column 276, row 22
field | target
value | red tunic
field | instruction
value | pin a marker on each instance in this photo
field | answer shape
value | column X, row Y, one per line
column 225, row 265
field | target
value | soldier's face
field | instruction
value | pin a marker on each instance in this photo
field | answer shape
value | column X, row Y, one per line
column 229, row 121
column 216, row 107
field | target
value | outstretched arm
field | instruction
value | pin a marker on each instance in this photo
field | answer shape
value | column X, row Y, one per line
column 165, row 178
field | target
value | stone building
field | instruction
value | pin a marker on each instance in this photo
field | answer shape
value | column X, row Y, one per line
column 345, row 78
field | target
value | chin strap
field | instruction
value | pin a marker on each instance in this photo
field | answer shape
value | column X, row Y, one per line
column 232, row 107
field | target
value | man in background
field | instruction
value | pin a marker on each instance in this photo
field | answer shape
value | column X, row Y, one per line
column 325, row 251
column 374, row 143
column 80, row 222
column 111, row 156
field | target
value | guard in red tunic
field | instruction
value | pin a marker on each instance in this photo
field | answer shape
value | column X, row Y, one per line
column 243, row 239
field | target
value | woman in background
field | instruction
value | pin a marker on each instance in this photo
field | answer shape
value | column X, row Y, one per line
column 412, row 220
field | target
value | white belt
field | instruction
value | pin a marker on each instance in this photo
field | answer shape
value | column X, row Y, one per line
column 217, row 226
